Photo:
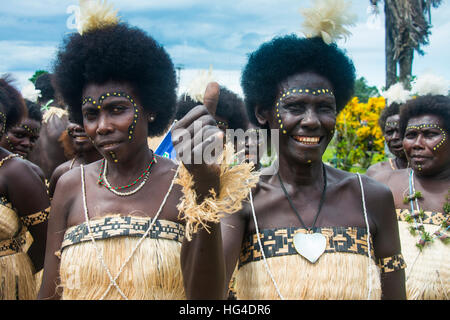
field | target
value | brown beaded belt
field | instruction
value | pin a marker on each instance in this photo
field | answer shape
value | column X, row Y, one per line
column 19, row 243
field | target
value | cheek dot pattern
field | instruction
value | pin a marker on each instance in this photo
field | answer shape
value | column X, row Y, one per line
column 34, row 131
column 297, row 91
column 113, row 156
column 435, row 126
column 105, row 95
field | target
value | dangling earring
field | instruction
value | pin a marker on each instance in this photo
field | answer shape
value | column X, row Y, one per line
column 151, row 118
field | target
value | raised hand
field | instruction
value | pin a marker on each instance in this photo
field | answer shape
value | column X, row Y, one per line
column 196, row 137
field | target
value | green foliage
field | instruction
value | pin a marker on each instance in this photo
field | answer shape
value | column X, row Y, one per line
column 363, row 91
column 36, row 75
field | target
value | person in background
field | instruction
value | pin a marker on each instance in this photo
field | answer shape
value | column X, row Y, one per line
column 48, row 152
column 395, row 96
column 422, row 196
column 78, row 147
column 24, row 208
column 230, row 115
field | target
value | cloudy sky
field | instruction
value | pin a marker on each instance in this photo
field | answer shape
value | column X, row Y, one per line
column 200, row 33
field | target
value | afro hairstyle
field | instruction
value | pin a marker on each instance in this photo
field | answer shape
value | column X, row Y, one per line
column 120, row 53
column 11, row 102
column 438, row 105
column 34, row 110
column 44, row 83
column 388, row 111
column 282, row 57
column 230, row 107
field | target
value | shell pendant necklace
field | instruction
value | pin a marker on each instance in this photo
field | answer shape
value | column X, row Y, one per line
column 310, row 245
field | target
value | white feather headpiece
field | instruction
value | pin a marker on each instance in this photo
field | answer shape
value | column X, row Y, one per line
column 96, row 14
column 430, row 84
column 197, row 87
column 396, row 93
column 30, row 92
column 328, row 19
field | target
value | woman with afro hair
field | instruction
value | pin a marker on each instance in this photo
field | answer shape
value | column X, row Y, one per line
column 24, row 207
column 422, row 196
column 310, row 231
column 115, row 231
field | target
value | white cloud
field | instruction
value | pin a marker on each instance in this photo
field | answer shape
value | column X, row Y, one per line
column 201, row 32
column 23, row 55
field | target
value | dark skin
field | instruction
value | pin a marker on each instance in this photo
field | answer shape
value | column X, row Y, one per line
column 394, row 143
column 85, row 153
column 300, row 167
column 431, row 167
column 23, row 187
column 108, row 128
column 48, row 153
column 204, row 253
column 20, row 140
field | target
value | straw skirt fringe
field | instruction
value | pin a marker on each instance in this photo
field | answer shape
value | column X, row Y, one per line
column 154, row 271
column 334, row 276
column 428, row 276
column 16, row 270
column 16, row 277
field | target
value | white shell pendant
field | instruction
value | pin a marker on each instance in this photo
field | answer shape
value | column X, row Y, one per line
column 310, row 245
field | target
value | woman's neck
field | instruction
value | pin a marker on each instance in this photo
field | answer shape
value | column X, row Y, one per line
column 90, row 156
column 301, row 174
column 442, row 176
column 401, row 163
column 130, row 168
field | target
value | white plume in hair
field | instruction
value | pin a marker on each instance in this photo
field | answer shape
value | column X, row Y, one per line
column 96, row 14
column 328, row 19
column 197, row 87
column 30, row 92
column 430, row 84
column 396, row 93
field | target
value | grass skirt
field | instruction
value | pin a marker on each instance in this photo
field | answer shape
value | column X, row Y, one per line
column 154, row 271
column 334, row 276
column 427, row 272
column 16, row 270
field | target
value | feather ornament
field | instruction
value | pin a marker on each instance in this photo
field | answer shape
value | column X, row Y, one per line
column 328, row 19
column 96, row 14
column 30, row 92
column 396, row 94
column 197, row 87
column 430, row 84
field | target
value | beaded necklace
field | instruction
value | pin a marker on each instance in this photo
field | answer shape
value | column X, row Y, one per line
column 418, row 214
column 13, row 155
column 102, row 179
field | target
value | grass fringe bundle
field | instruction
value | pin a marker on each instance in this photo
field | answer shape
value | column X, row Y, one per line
column 235, row 183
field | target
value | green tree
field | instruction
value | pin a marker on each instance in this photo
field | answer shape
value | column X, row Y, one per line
column 363, row 91
column 407, row 28
column 36, row 75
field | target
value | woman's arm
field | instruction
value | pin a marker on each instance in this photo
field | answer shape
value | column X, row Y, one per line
column 57, row 225
column 28, row 195
column 386, row 240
